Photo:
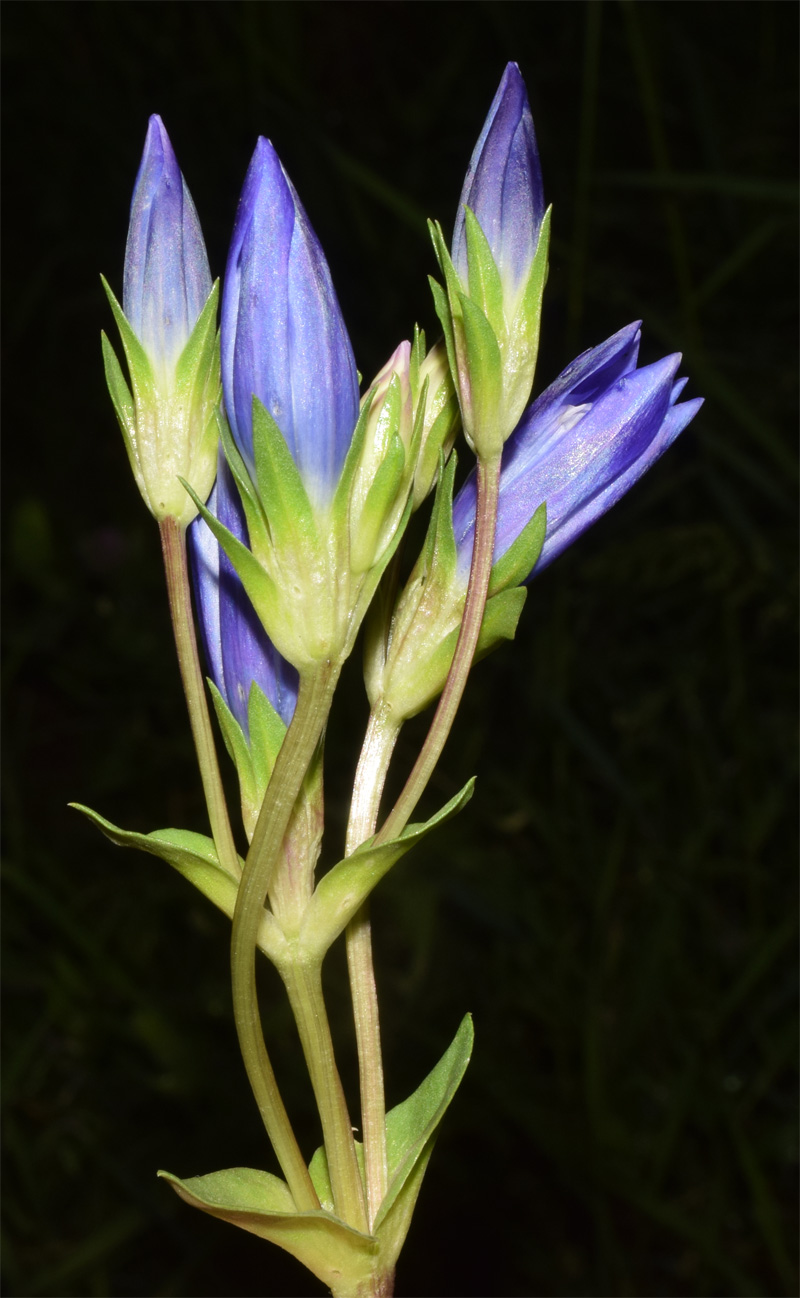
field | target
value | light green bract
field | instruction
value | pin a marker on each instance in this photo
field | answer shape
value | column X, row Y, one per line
column 346, row 1260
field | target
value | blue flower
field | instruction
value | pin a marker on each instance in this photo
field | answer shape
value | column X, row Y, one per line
column 503, row 186
column 580, row 446
column 283, row 338
column 167, row 277
column 237, row 649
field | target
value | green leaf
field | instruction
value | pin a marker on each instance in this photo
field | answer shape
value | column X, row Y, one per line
column 195, row 857
column 485, row 287
column 339, row 1256
column 519, row 560
column 340, row 893
column 283, row 494
column 411, row 1130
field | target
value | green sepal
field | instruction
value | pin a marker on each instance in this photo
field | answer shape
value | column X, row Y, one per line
column 257, row 527
column 342, row 1258
column 195, row 857
column 341, row 499
column 123, row 407
column 500, row 618
column 440, row 552
column 441, row 306
column 280, row 487
column 240, row 754
column 485, row 368
column 259, row 586
column 201, row 349
column 520, row 558
column 417, row 357
column 529, row 313
column 485, row 287
column 453, row 284
column 377, row 507
column 411, row 1131
column 139, row 367
column 267, row 732
column 340, row 893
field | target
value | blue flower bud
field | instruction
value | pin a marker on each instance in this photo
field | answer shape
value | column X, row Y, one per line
column 503, row 187
column 168, row 416
column 580, row 446
column 237, row 649
column 283, row 338
column 167, row 277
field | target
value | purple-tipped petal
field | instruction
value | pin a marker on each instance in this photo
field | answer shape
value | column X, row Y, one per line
column 283, row 338
column 237, row 648
column 581, row 445
column 503, row 185
column 167, row 277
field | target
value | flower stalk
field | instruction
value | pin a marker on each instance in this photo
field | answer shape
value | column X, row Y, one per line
column 173, row 545
column 297, row 752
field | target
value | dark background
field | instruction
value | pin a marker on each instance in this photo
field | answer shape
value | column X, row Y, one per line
column 617, row 906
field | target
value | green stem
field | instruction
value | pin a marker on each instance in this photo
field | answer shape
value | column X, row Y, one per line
column 373, row 764
column 480, row 571
column 294, row 758
column 173, row 546
column 303, row 983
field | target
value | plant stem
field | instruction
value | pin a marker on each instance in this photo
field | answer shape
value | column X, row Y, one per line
column 303, row 983
column 373, row 764
column 173, row 546
column 488, row 474
column 294, row 758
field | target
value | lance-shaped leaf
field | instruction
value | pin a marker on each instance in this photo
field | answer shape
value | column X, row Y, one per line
column 411, row 1131
column 195, row 857
column 340, row 892
column 339, row 1256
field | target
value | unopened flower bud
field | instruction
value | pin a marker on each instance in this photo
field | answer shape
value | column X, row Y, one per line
column 168, row 328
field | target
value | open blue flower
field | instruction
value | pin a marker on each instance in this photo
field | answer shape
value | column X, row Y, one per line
column 283, row 338
column 237, row 649
column 580, row 446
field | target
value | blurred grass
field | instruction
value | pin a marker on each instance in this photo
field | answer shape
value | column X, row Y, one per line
column 618, row 904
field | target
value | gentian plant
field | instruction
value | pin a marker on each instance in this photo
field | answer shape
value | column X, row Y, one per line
column 282, row 495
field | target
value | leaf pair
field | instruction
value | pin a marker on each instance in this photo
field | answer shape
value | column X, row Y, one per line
column 345, row 1259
